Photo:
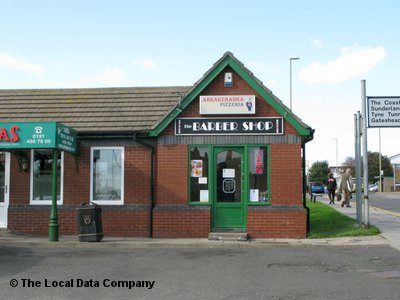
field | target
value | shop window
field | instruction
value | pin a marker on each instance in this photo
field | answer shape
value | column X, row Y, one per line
column 199, row 179
column 107, row 175
column 258, row 177
column 42, row 176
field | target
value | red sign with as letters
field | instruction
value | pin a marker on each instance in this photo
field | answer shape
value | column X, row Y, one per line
column 9, row 134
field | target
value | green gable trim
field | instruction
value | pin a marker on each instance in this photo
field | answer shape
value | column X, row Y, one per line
column 189, row 98
column 228, row 60
column 287, row 115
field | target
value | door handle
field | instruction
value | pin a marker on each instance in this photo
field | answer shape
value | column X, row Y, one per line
column 4, row 188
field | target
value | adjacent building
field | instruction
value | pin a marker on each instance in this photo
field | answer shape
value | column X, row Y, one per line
column 224, row 154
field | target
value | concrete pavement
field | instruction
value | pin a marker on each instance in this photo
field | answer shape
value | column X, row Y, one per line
column 389, row 225
column 388, row 222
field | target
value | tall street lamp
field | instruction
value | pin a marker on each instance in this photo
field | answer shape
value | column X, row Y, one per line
column 290, row 63
column 380, row 162
column 336, row 156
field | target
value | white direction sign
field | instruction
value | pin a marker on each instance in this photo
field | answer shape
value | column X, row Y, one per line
column 383, row 111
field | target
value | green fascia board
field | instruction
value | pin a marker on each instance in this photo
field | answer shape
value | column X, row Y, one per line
column 213, row 73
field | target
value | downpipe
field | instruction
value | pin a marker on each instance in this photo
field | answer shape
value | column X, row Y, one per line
column 151, row 147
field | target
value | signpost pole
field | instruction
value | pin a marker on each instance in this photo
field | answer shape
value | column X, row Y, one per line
column 357, row 118
column 365, row 151
column 53, row 226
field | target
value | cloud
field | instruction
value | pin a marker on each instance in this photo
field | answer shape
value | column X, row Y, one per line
column 145, row 64
column 16, row 64
column 109, row 77
column 317, row 43
column 353, row 62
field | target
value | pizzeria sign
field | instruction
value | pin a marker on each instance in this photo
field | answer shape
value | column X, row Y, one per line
column 228, row 105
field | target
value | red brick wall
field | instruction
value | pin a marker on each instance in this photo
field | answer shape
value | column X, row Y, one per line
column 117, row 220
column 286, row 191
column 276, row 224
column 19, row 183
column 286, row 176
column 172, row 174
column 181, row 224
column 126, row 223
column 114, row 222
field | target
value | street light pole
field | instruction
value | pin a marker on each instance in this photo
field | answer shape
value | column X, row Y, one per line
column 337, row 171
column 380, row 162
column 290, row 63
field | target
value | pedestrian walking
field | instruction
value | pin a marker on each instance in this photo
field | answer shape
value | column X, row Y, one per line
column 346, row 187
column 331, row 186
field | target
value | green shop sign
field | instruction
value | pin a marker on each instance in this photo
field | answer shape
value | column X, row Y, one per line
column 43, row 135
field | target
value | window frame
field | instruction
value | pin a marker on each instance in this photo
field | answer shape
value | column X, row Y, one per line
column 209, row 175
column 246, row 157
column 268, row 170
column 46, row 202
column 108, row 202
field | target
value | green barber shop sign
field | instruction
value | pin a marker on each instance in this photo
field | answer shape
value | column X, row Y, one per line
column 42, row 135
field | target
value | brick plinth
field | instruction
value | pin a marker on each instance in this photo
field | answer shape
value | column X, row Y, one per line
column 276, row 224
column 120, row 221
column 170, row 223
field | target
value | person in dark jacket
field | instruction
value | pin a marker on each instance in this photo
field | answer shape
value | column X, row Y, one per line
column 331, row 186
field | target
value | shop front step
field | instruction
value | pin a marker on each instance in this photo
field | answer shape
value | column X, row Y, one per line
column 228, row 236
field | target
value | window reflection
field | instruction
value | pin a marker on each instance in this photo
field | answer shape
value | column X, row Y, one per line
column 42, row 171
column 107, row 174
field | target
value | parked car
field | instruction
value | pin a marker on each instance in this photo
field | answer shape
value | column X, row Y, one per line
column 316, row 188
column 373, row 187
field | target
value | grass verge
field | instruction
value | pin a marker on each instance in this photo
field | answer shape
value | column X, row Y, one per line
column 327, row 222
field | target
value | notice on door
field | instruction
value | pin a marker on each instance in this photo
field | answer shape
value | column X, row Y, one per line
column 228, row 173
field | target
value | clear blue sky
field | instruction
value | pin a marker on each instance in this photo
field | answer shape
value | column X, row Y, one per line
column 64, row 44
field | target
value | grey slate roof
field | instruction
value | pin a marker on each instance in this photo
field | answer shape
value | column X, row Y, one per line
column 119, row 110
column 109, row 110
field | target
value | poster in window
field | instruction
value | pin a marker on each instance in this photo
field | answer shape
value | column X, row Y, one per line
column 196, row 168
column 257, row 163
column 202, row 180
column 203, row 195
column 254, row 195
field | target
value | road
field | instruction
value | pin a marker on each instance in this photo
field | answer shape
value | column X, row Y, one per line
column 267, row 272
column 386, row 201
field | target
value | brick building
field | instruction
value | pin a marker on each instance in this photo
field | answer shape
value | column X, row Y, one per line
column 224, row 154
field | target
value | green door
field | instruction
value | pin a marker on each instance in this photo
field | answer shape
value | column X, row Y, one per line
column 228, row 207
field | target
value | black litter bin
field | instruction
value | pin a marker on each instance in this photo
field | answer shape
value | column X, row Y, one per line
column 89, row 223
